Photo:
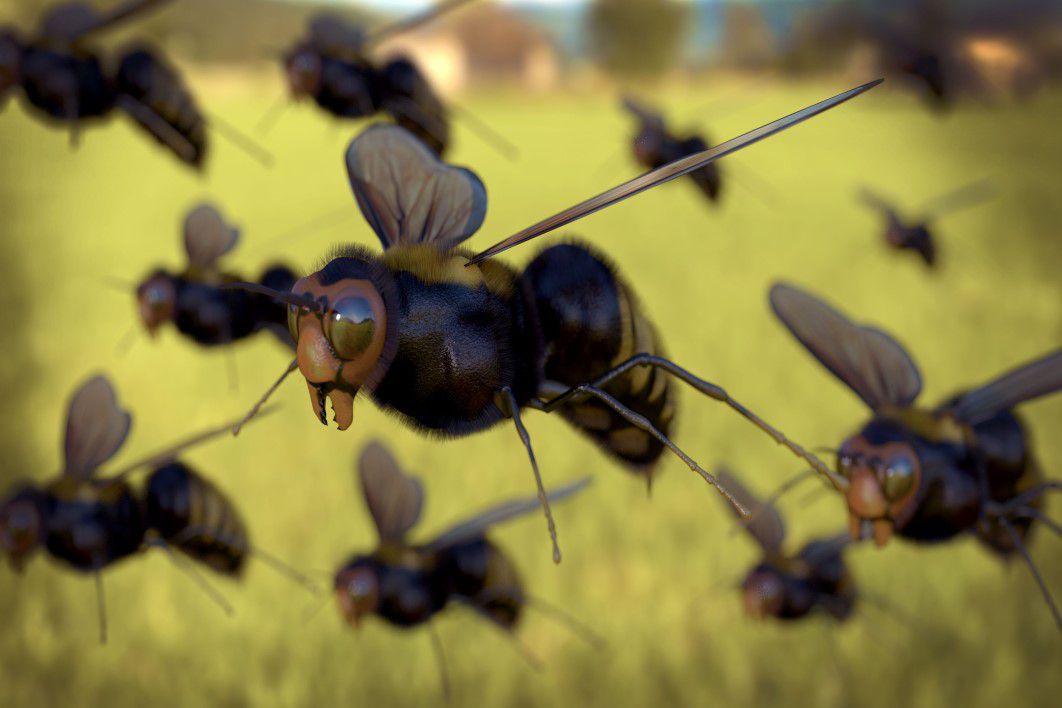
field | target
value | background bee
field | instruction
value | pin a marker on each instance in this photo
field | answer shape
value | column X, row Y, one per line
column 966, row 466
column 654, row 146
column 89, row 522
column 456, row 345
column 914, row 234
column 332, row 66
column 66, row 80
column 406, row 584
column 193, row 300
column 785, row 585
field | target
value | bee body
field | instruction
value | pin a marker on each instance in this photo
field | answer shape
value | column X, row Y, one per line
column 91, row 523
column 348, row 88
column 196, row 518
column 65, row 86
column 480, row 574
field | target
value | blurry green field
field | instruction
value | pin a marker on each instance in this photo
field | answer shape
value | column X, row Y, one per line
column 653, row 576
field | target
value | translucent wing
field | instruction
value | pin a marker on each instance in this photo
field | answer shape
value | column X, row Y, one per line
column 394, row 498
column 95, row 428
column 764, row 524
column 408, row 195
column 875, row 201
column 503, row 512
column 642, row 112
column 1037, row 378
column 826, row 550
column 333, row 36
column 872, row 363
column 207, row 237
column 70, row 21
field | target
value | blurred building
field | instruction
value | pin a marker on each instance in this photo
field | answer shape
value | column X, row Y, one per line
column 486, row 44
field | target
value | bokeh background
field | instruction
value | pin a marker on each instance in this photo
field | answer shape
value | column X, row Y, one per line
column 655, row 575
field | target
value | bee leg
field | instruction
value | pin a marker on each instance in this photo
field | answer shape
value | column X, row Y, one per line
column 1024, row 512
column 643, row 423
column 1015, row 538
column 70, row 106
column 158, row 127
column 101, row 606
column 777, row 494
column 508, row 405
column 1029, row 495
column 709, row 389
column 190, row 570
column 576, row 627
column 440, row 658
column 525, row 653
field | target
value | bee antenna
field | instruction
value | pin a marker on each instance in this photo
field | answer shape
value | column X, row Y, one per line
column 304, row 301
column 576, row 627
column 272, row 116
column 285, row 570
column 440, row 658
column 115, row 283
column 486, row 133
column 768, row 503
column 123, row 345
column 238, row 426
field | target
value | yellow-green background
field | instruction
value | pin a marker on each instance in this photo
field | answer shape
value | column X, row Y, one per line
column 654, row 576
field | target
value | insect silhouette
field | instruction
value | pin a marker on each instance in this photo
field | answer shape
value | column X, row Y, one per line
column 332, row 66
column 192, row 299
column 790, row 586
column 915, row 234
column 66, row 80
column 407, row 584
column 89, row 522
column 930, row 475
column 654, row 146
column 455, row 345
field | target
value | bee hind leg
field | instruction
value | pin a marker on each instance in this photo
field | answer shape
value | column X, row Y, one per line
column 1015, row 538
column 193, row 574
column 101, row 606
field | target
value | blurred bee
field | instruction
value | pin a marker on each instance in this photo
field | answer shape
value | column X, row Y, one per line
column 914, row 234
column 90, row 522
column 790, row 586
column 193, row 301
column 407, row 584
column 930, row 475
column 654, row 146
column 332, row 66
column 456, row 344
column 68, row 81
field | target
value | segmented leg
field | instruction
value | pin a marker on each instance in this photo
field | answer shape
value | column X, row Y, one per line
column 101, row 607
column 190, row 570
column 440, row 657
column 1015, row 538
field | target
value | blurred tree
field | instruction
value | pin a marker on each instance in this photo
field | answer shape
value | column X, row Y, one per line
column 636, row 38
column 747, row 39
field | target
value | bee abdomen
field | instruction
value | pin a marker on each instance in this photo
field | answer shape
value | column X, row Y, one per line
column 193, row 515
column 591, row 322
column 146, row 78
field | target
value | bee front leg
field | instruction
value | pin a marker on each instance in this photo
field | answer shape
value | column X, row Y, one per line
column 505, row 401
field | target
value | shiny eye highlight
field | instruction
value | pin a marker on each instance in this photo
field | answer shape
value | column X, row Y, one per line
column 293, row 322
column 350, row 326
column 899, row 477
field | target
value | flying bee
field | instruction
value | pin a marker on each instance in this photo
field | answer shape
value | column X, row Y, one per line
column 406, row 584
column 790, row 586
column 654, row 146
column 914, row 234
column 90, row 522
column 66, row 80
column 192, row 299
column 331, row 65
column 457, row 344
column 930, row 475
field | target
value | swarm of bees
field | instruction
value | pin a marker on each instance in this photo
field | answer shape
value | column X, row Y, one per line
column 455, row 342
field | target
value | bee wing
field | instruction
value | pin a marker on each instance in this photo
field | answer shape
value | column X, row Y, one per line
column 207, row 237
column 477, row 525
column 764, row 523
column 408, row 195
column 827, row 549
column 641, row 111
column 870, row 362
column 95, row 428
column 875, row 201
column 333, row 36
column 1032, row 380
column 71, row 21
column 966, row 196
column 394, row 498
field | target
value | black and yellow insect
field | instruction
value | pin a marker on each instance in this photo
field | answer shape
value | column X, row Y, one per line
column 65, row 79
column 192, row 299
column 455, row 344
column 654, row 145
column 786, row 585
column 89, row 521
column 407, row 584
column 931, row 475
column 332, row 66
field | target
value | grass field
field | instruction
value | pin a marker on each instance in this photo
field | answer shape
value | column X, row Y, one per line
column 652, row 575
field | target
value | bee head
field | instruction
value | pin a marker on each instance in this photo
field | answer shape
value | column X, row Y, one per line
column 156, row 300
column 21, row 526
column 350, row 340
column 884, row 472
column 303, row 67
column 764, row 592
column 357, row 588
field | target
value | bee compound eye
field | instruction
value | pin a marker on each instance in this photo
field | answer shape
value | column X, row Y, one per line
column 350, row 326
